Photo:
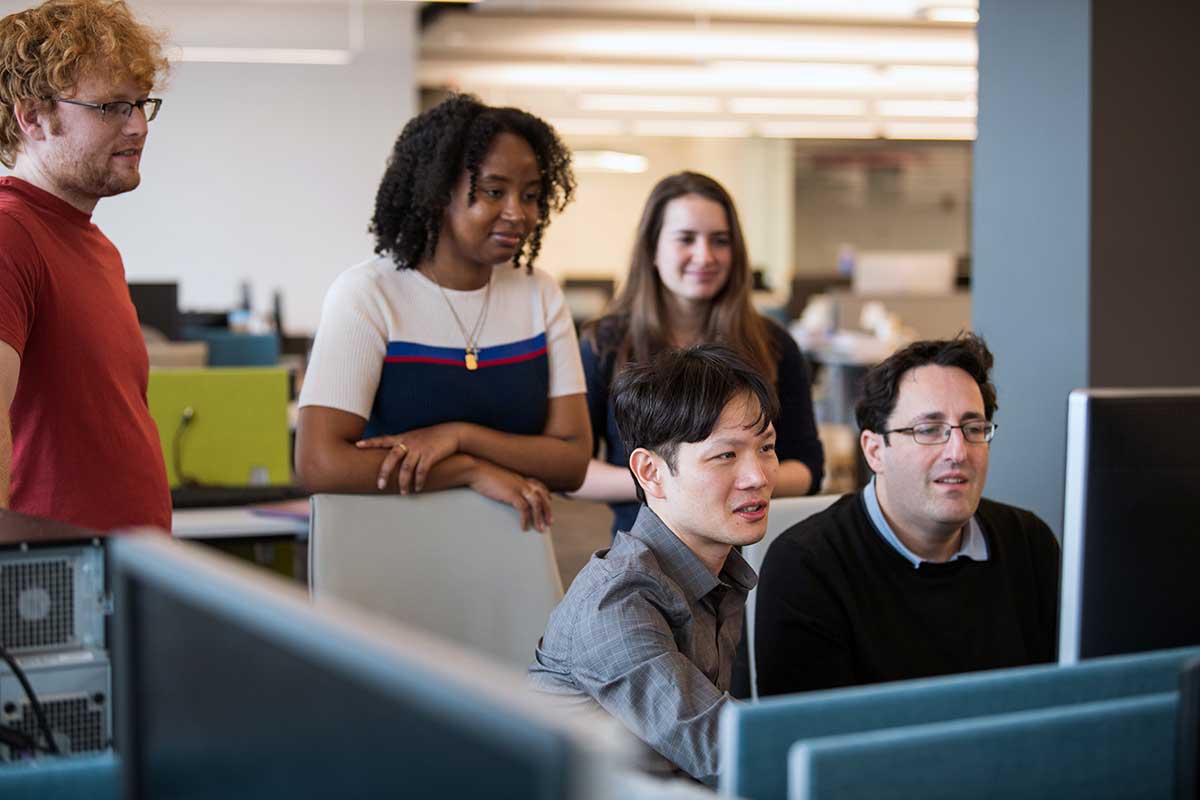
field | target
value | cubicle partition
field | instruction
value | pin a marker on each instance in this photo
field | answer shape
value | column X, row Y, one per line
column 756, row 738
column 231, row 684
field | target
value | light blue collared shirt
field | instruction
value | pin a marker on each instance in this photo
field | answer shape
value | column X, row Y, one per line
column 974, row 545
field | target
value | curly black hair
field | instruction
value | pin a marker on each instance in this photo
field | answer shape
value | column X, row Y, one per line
column 429, row 157
column 881, row 386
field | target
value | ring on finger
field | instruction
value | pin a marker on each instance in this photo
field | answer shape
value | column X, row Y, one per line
column 400, row 444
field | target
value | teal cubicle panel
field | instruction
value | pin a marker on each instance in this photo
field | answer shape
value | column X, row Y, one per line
column 1111, row 750
column 755, row 738
column 76, row 778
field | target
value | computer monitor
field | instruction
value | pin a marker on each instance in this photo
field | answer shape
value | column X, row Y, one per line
column 157, row 306
column 1131, row 529
column 1187, row 736
column 230, row 684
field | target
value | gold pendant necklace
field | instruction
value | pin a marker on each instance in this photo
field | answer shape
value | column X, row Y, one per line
column 471, row 354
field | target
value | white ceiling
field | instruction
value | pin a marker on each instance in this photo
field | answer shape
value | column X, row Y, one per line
column 796, row 69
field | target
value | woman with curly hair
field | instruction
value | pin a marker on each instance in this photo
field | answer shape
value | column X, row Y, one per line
column 448, row 360
column 689, row 282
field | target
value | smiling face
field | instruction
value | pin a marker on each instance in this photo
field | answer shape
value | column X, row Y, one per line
column 85, row 156
column 480, row 234
column 930, row 491
column 694, row 253
column 720, row 489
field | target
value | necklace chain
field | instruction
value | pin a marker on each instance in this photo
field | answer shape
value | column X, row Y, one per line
column 472, row 338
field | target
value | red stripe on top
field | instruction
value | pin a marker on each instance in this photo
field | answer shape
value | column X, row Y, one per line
column 513, row 359
column 496, row 362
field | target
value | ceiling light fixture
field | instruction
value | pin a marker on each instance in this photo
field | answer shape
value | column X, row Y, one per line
column 701, row 128
column 929, row 130
column 817, row 129
column 608, row 161
column 949, row 14
column 690, row 104
column 967, row 109
column 798, row 106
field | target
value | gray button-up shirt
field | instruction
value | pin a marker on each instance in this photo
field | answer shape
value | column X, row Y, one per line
column 648, row 634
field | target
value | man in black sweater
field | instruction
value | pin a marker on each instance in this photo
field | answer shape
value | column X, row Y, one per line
column 915, row 575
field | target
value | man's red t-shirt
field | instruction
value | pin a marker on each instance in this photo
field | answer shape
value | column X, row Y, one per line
column 85, row 448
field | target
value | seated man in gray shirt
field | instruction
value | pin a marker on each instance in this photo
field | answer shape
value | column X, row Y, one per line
column 648, row 629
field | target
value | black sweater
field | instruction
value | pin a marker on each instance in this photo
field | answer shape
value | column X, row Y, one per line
column 838, row 606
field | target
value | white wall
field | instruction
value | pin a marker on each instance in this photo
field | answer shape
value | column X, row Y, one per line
column 264, row 173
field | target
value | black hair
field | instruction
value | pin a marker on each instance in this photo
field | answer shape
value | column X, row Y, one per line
column 881, row 385
column 429, row 157
column 680, row 395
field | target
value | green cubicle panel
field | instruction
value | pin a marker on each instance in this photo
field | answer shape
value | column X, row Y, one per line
column 223, row 426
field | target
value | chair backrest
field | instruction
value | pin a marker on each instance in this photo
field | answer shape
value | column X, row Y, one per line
column 785, row 512
column 1111, row 749
column 755, row 737
column 453, row 563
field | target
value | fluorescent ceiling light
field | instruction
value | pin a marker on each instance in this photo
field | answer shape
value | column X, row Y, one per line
column 963, row 80
column 739, row 42
column 798, row 106
column 928, row 108
column 691, row 104
column 817, row 129
column 608, row 161
column 705, row 129
column 262, row 55
column 949, row 14
column 727, row 76
column 579, row 126
column 929, row 130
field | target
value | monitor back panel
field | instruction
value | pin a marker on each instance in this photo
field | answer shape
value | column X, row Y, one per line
column 1131, row 542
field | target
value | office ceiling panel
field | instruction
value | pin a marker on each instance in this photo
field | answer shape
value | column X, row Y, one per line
column 795, row 69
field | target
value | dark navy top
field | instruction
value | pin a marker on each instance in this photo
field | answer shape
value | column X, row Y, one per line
column 795, row 429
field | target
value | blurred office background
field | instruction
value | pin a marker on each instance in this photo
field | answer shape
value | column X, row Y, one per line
column 845, row 130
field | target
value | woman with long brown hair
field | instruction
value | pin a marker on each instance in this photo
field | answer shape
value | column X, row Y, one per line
column 690, row 282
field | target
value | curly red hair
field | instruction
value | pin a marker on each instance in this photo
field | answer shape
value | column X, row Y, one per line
column 45, row 50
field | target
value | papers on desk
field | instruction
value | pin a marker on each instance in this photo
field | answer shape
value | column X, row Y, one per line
column 297, row 509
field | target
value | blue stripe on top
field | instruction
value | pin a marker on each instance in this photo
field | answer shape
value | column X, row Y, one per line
column 413, row 352
column 421, row 385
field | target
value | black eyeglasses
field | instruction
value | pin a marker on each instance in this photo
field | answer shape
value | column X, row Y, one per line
column 121, row 108
column 976, row 432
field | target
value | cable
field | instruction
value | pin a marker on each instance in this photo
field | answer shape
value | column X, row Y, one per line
column 51, row 745
column 18, row 741
column 185, row 419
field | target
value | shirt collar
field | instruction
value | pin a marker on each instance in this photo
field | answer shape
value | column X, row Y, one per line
column 683, row 566
column 973, row 546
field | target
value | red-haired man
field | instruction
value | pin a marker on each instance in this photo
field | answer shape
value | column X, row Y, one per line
column 77, row 442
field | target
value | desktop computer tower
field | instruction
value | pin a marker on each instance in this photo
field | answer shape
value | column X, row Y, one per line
column 75, row 690
column 54, row 605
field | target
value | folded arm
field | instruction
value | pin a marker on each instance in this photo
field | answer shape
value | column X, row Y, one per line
column 329, row 460
column 557, row 456
column 607, row 483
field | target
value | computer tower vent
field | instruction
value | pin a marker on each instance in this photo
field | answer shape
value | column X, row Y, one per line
column 79, row 724
column 37, row 604
column 52, row 599
column 75, row 690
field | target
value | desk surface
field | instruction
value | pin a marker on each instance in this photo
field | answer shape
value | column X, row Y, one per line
column 233, row 523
